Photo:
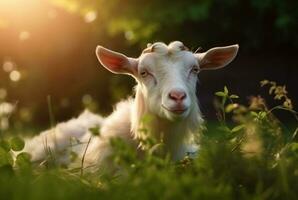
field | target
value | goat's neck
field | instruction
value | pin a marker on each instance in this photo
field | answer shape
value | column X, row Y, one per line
column 174, row 134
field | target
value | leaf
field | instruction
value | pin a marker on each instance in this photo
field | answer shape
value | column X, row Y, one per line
column 226, row 91
column 237, row 128
column 262, row 114
column 231, row 107
column 144, row 131
column 272, row 88
column 147, row 119
column 254, row 114
column 295, row 134
column 233, row 96
column 95, row 131
column 224, row 128
column 220, row 94
column 155, row 148
column 264, row 82
column 23, row 160
column 5, row 145
column 294, row 147
column 5, row 158
column 17, row 143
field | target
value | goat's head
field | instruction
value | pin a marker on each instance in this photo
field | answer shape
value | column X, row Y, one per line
column 167, row 74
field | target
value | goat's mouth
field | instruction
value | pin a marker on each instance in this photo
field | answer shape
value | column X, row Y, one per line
column 176, row 110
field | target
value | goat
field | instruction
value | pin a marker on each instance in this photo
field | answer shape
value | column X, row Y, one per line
column 166, row 77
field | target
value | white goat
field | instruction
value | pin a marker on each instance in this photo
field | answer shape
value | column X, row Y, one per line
column 166, row 77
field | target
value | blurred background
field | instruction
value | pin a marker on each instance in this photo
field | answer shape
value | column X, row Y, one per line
column 47, row 51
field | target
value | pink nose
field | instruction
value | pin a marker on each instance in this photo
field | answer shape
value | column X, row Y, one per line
column 177, row 96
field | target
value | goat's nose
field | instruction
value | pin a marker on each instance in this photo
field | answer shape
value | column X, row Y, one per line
column 177, row 95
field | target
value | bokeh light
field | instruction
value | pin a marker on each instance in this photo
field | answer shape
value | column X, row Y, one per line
column 24, row 35
column 87, row 99
column 90, row 16
column 6, row 108
column 15, row 75
column 8, row 66
column 129, row 35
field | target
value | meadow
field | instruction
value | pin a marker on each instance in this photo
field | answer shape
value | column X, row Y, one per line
column 253, row 157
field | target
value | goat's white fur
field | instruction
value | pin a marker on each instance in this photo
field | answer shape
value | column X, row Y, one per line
column 170, row 69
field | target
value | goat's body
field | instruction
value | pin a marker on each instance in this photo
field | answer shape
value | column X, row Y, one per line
column 73, row 136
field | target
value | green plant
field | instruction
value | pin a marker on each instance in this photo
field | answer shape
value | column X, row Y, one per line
column 249, row 154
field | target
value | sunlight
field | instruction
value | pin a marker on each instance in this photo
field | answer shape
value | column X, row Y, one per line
column 20, row 14
column 3, row 23
column 17, row 6
column 70, row 6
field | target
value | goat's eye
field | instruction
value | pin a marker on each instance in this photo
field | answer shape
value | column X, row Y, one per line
column 144, row 74
column 195, row 69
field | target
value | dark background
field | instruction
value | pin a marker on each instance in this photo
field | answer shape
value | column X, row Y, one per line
column 51, row 43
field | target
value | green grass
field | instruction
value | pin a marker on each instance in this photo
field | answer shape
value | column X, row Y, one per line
column 217, row 173
column 253, row 156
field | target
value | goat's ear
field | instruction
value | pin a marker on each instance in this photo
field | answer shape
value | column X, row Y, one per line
column 116, row 62
column 217, row 57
